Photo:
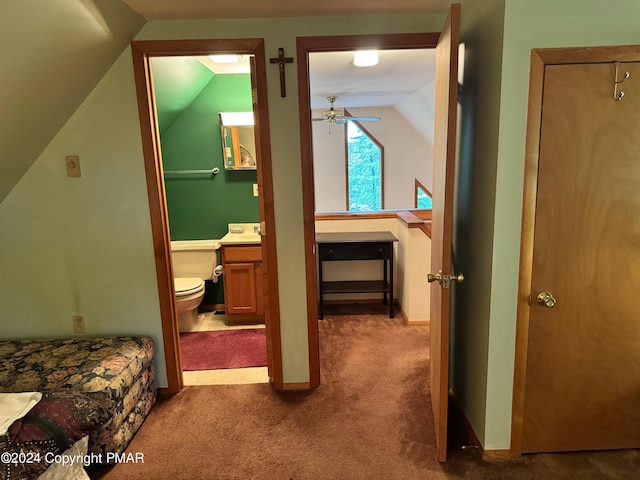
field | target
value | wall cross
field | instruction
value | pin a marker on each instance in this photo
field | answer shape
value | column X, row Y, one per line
column 281, row 60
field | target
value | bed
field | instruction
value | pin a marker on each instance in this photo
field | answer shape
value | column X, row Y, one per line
column 100, row 388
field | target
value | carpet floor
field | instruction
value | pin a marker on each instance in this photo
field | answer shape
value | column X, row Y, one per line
column 222, row 349
column 370, row 419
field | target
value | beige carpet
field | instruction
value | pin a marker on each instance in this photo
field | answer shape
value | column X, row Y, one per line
column 370, row 419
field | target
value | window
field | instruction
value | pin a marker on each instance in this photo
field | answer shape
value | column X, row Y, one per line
column 423, row 196
column 365, row 172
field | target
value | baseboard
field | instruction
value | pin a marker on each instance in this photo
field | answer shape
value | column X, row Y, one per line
column 456, row 409
column 487, row 455
column 411, row 322
column 420, row 323
column 291, row 387
column 496, row 455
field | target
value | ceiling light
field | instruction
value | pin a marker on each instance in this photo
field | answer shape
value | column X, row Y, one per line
column 365, row 58
column 224, row 58
column 236, row 119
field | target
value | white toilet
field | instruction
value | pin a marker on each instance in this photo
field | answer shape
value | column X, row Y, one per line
column 194, row 261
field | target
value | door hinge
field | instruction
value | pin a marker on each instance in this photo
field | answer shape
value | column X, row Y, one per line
column 254, row 96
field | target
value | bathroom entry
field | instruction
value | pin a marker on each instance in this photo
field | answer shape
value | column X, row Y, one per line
column 197, row 198
column 202, row 103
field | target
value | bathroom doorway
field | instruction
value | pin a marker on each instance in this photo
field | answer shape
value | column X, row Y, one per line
column 167, row 220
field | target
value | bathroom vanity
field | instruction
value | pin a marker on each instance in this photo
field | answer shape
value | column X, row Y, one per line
column 243, row 283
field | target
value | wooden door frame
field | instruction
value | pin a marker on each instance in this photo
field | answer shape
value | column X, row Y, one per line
column 540, row 58
column 142, row 51
column 306, row 45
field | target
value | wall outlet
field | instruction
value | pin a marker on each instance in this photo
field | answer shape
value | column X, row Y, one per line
column 78, row 324
column 255, row 189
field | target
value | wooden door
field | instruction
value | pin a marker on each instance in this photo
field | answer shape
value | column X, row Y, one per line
column 582, row 385
column 443, row 176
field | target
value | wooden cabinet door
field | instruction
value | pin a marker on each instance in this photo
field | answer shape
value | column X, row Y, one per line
column 240, row 288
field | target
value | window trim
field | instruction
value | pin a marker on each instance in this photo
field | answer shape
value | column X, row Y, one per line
column 415, row 197
column 346, row 159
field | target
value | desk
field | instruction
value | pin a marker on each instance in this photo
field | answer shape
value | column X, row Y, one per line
column 334, row 247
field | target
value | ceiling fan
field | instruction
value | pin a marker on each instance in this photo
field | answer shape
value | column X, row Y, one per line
column 338, row 116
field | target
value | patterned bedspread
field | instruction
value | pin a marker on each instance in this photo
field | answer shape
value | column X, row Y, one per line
column 116, row 372
column 104, row 367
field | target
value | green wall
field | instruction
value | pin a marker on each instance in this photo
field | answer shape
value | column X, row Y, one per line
column 479, row 98
column 202, row 206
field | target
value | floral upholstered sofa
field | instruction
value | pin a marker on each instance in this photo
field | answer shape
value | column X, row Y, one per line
column 102, row 387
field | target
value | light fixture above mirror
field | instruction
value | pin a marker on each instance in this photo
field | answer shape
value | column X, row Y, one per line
column 236, row 119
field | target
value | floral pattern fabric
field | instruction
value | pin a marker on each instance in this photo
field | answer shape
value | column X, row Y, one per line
column 103, row 367
column 116, row 372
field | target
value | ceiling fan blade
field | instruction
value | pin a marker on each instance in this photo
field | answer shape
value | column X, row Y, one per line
column 364, row 119
column 319, row 119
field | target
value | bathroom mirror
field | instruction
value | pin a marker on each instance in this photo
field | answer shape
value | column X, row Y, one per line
column 238, row 140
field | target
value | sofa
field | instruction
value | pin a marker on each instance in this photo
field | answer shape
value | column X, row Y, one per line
column 100, row 387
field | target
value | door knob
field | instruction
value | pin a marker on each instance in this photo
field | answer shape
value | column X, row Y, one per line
column 457, row 278
column 444, row 280
column 434, row 277
column 547, row 299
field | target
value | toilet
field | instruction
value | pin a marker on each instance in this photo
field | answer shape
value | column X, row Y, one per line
column 194, row 261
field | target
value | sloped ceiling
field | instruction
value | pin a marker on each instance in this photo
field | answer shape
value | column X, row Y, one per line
column 53, row 55
column 176, row 81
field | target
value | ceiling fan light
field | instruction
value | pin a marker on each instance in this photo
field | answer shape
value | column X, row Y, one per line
column 224, row 58
column 365, row 58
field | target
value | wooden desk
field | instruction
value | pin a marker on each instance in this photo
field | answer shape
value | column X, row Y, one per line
column 334, row 247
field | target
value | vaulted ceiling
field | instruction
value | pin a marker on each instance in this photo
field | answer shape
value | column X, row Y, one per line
column 54, row 53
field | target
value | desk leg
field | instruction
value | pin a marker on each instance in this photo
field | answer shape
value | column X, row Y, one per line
column 321, row 289
column 391, row 283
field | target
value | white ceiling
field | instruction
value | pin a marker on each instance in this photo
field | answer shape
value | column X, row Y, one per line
column 398, row 74
column 192, row 9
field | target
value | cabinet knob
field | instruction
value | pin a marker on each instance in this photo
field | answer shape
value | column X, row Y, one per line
column 380, row 251
column 330, row 252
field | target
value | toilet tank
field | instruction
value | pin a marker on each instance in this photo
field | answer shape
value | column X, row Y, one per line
column 194, row 258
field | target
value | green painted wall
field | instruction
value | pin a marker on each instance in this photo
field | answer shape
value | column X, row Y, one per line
column 479, row 98
column 201, row 206
column 176, row 82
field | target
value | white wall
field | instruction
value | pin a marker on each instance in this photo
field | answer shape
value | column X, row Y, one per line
column 83, row 245
column 407, row 156
column 412, row 259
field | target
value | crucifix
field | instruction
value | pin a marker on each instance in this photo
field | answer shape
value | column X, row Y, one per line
column 281, row 60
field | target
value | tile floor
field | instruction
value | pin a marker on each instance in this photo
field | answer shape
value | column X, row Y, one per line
column 230, row 376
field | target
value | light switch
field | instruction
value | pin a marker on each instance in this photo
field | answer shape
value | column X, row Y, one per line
column 73, row 165
column 255, row 189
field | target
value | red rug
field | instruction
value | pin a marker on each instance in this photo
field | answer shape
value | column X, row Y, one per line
column 220, row 349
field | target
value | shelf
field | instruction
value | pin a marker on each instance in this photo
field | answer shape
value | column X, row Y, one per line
column 356, row 286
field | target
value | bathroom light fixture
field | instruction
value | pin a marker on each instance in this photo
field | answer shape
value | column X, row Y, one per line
column 365, row 58
column 224, row 58
column 236, row 119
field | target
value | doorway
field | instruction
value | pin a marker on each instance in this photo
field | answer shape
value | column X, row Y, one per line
column 306, row 46
column 576, row 380
column 205, row 119
column 142, row 52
